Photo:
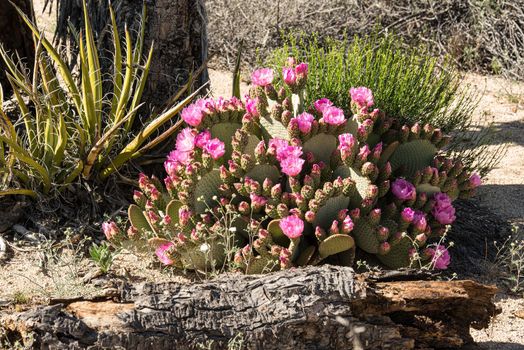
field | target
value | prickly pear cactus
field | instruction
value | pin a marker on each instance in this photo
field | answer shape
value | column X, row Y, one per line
column 286, row 184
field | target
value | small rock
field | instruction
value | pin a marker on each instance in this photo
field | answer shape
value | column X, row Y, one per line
column 519, row 313
column 3, row 248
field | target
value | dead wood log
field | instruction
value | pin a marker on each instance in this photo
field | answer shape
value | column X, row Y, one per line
column 313, row 308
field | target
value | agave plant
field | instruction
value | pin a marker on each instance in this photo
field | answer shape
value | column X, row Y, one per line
column 307, row 183
column 73, row 127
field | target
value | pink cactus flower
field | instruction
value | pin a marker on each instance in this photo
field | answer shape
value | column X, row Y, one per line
column 322, row 104
column 262, row 77
column 215, row 148
column 301, row 69
column 362, row 97
column 304, row 121
column 444, row 215
column 442, row 199
column 403, row 189
column 251, row 106
column 202, row 139
column 185, row 140
column 407, row 214
column 364, row 152
column 163, row 254
column 288, row 151
column 292, row 226
column 193, row 115
column 110, row 230
column 290, row 78
column 346, row 142
column 292, row 166
column 440, row 256
column 177, row 156
column 475, row 180
column 333, row 116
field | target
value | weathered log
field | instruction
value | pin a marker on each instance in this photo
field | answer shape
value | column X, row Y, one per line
column 313, row 308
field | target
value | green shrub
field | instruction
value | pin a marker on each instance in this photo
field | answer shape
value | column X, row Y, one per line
column 75, row 127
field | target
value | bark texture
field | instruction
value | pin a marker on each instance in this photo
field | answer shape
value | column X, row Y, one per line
column 15, row 36
column 313, row 308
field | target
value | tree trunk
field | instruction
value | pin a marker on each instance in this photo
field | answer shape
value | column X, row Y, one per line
column 324, row 307
column 15, row 36
column 178, row 29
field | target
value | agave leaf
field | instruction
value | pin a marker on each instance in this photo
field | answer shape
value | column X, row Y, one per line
column 95, row 75
column 140, row 88
column 87, row 92
column 24, row 157
column 128, row 80
column 117, row 62
column 62, row 66
column 62, row 142
column 99, row 146
column 236, row 72
column 15, row 192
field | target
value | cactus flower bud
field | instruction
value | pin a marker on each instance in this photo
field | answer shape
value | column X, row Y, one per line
column 383, row 233
column 111, row 230
column 333, row 230
column 384, row 248
column 310, row 216
column 355, row 214
column 347, row 225
column 244, row 208
column 320, row 233
column 407, row 215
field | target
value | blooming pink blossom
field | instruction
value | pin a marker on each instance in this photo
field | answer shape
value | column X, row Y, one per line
column 304, row 121
column 290, row 78
column 346, row 142
column 301, row 69
column 288, row 151
column 292, row 226
column 202, row 139
column 177, row 156
column 193, row 114
column 444, row 214
column 292, row 166
column 440, row 257
column 262, row 77
column 110, row 230
column 441, row 199
column 251, row 106
column 403, row 189
column 163, row 255
column 322, row 104
column 333, row 116
column 362, row 96
column 276, row 144
column 185, row 140
column 475, row 180
column 215, row 148
column 364, row 152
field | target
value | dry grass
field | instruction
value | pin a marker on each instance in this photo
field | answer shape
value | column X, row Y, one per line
column 480, row 35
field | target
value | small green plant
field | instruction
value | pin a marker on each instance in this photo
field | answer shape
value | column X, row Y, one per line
column 20, row 298
column 76, row 127
column 510, row 257
column 103, row 256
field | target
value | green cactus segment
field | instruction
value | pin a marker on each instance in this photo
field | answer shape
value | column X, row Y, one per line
column 138, row 219
column 276, row 233
column 329, row 211
column 225, row 132
column 207, row 187
column 386, row 153
column 335, row 244
column 172, row 209
column 264, row 171
column 260, row 265
column 362, row 183
column 413, row 156
column 306, row 255
column 428, row 188
column 252, row 143
column 322, row 146
column 373, row 139
column 273, row 129
column 365, row 236
column 398, row 256
column 197, row 259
